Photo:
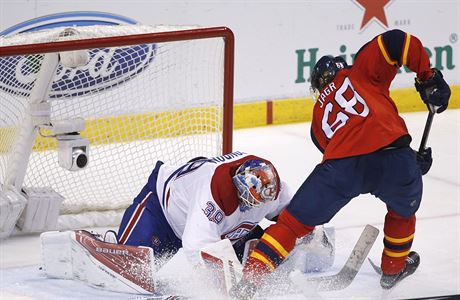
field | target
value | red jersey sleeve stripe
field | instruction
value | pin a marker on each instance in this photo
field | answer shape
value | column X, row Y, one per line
column 394, row 40
column 385, row 52
column 406, row 49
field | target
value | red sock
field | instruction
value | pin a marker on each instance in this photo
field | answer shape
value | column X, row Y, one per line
column 399, row 234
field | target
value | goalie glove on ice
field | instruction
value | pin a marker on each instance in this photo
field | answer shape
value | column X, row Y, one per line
column 435, row 92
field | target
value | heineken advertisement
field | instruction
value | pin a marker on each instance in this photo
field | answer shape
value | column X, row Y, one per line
column 278, row 42
column 441, row 57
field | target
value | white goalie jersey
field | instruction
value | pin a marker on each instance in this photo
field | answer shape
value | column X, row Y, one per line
column 201, row 204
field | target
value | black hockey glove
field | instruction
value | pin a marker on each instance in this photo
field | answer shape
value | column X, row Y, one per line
column 435, row 92
column 239, row 246
column 243, row 290
column 424, row 160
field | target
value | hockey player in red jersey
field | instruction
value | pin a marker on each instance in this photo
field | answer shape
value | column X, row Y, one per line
column 365, row 145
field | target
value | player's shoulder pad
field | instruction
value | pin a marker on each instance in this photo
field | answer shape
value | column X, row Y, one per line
column 393, row 43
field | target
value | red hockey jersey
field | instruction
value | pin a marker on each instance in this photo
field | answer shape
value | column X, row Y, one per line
column 354, row 114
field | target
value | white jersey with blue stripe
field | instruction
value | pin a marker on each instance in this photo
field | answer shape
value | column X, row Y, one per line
column 200, row 203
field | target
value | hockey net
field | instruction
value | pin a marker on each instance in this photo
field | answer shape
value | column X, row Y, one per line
column 147, row 93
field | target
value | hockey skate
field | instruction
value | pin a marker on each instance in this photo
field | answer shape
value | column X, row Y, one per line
column 412, row 262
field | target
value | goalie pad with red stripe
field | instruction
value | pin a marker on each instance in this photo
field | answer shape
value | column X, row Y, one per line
column 114, row 267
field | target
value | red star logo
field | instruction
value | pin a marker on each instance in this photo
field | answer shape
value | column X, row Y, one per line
column 373, row 9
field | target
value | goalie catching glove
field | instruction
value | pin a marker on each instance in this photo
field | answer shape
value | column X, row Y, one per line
column 435, row 92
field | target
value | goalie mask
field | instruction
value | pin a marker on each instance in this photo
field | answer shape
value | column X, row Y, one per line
column 256, row 182
column 324, row 72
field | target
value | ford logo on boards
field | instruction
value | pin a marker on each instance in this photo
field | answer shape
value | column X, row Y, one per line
column 107, row 67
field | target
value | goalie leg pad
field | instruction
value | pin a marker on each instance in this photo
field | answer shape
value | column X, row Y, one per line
column 80, row 255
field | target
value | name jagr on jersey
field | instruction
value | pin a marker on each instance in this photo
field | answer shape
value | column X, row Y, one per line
column 326, row 92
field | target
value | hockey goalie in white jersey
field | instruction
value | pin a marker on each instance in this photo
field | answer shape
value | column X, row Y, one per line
column 193, row 206
column 202, row 202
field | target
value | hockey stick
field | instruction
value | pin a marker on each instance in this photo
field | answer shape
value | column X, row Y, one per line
column 426, row 131
column 348, row 272
column 376, row 268
column 221, row 259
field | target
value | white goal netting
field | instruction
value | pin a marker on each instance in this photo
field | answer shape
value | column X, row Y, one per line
column 141, row 102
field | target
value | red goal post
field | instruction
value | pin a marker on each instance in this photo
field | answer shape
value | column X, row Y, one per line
column 197, row 122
